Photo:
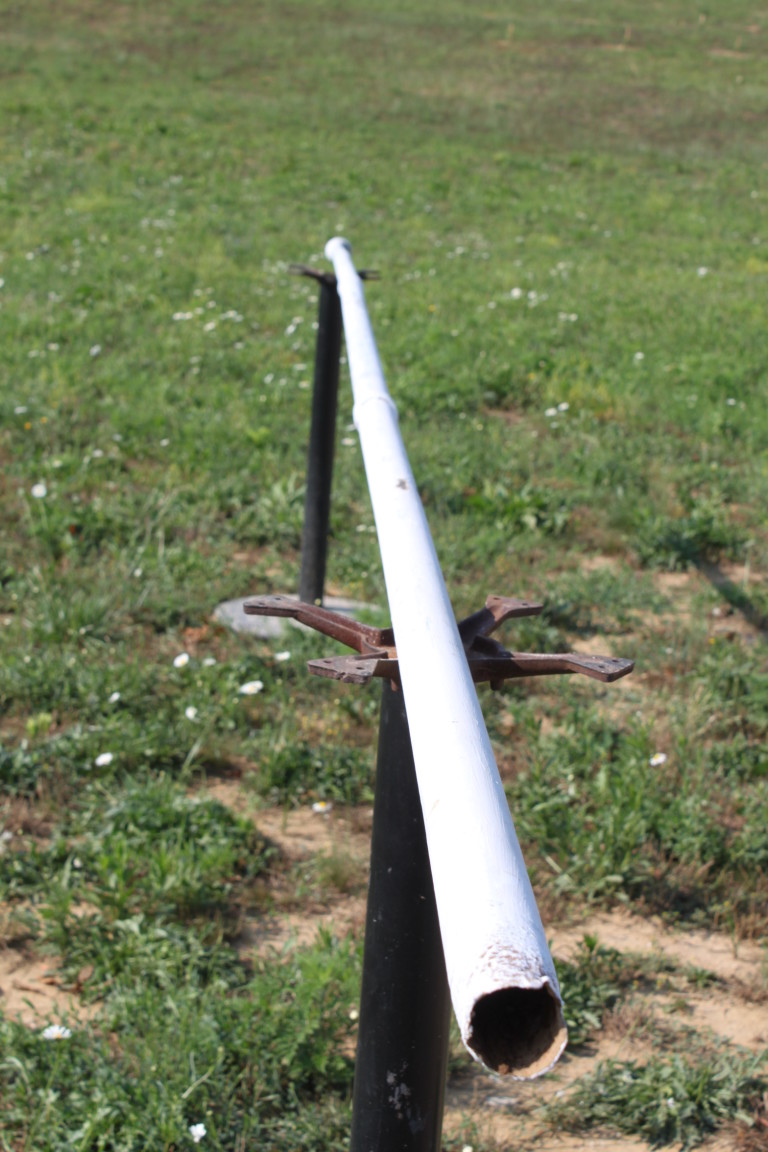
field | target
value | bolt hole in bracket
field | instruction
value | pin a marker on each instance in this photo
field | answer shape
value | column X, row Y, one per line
column 488, row 660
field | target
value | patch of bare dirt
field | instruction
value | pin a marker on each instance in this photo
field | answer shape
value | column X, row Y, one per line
column 599, row 563
column 713, row 952
column 510, row 1113
column 300, row 832
column 339, row 838
column 30, row 991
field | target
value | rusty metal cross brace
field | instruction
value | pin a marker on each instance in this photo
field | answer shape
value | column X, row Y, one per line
column 487, row 659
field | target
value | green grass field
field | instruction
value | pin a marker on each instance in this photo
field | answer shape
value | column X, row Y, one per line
column 568, row 206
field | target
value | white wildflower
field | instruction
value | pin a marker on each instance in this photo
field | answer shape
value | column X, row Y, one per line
column 702, row 271
column 197, row 1132
column 190, row 712
column 638, row 357
column 550, row 412
column 104, row 759
column 181, row 660
column 56, row 1032
column 95, row 349
column 322, row 807
column 114, row 698
column 658, row 759
column 282, row 656
column 563, row 406
column 39, row 490
column 251, row 688
column 209, row 661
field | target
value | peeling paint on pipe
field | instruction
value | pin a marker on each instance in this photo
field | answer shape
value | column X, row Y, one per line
column 501, row 975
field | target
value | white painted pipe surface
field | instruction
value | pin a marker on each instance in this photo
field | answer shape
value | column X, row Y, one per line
column 501, row 975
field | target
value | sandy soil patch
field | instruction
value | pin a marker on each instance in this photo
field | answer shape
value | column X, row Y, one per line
column 30, row 991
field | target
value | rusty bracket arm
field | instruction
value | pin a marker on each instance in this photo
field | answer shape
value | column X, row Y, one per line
column 329, row 277
column 487, row 659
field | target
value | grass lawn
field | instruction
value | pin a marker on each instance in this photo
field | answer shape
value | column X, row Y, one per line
column 568, row 206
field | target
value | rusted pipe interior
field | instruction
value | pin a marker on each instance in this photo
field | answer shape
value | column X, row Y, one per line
column 518, row 1031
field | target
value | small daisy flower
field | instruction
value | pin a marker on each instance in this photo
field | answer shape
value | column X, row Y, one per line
column 702, row 271
column 39, row 490
column 197, row 1132
column 190, row 712
column 181, row 660
column 658, row 759
column 563, row 406
column 95, row 350
column 114, row 698
column 281, row 657
column 638, row 357
column 251, row 688
column 516, row 293
column 56, row 1032
column 551, row 412
column 209, row 661
column 104, row 759
column 322, row 807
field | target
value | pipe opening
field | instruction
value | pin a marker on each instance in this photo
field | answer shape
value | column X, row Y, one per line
column 518, row 1031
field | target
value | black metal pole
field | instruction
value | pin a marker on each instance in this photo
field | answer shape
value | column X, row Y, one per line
column 317, row 504
column 402, row 1050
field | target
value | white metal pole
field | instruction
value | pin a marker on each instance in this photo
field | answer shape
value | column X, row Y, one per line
column 501, row 975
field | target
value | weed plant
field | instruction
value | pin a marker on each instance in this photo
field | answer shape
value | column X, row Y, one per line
column 674, row 1100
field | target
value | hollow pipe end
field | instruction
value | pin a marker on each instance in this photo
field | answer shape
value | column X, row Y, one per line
column 518, row 1032
column 334, row 244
